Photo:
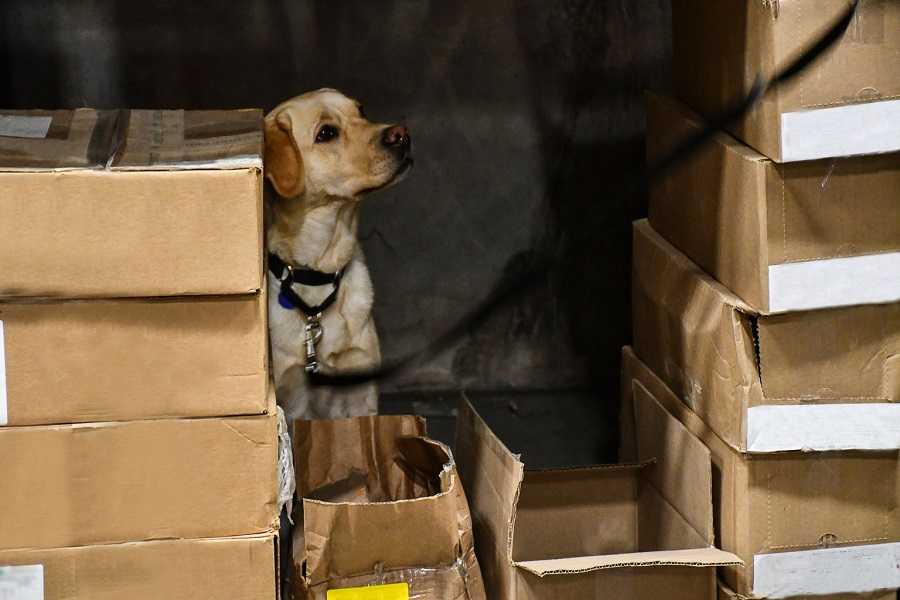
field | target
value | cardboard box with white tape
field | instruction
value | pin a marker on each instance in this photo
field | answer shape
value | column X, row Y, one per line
column 130, row 203
column 640, row 531
column 783, row 237
column 846, row 103
column 812, row 380
column 233, row 568
column 806, row 524
column 115, row 360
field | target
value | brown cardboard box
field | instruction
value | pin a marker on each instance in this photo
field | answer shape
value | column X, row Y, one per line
column 783, row 237
column 845, row 103
column 235, row 568
column 130, row 203
column 619, row 532
column 99, row 483
column 819, row 522
column 382, row 504
column 111, row 360
column 818, row 380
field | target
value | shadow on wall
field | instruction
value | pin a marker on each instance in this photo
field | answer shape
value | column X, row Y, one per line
column 524, row 115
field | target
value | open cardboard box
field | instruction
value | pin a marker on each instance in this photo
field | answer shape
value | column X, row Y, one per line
column 806, row 524
column 130, row 203
column 845, row 103
column 783, row 237
column 620, row 532
column 815, row 380
column 382, row 505
column 115, row 360
column 232, row 568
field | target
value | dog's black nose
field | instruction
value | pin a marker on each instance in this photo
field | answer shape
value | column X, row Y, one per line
column 396, row 137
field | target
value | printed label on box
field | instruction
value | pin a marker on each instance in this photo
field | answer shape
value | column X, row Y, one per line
column 4, row 415
column 25, row 582
column 24, row 127
column 393, row 591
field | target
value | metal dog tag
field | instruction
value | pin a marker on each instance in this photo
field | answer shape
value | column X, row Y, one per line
column 314, row 333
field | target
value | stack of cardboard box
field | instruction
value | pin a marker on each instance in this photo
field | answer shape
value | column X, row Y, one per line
column 138, row 434
column 765, row 292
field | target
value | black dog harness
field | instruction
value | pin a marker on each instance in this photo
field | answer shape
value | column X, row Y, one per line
column 289, row 275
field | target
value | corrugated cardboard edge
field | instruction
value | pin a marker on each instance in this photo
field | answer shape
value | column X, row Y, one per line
column 695, row 557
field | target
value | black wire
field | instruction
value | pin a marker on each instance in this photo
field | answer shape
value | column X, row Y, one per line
column 541, row 268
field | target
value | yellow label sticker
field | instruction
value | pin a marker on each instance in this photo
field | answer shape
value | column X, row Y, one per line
column 392, row 591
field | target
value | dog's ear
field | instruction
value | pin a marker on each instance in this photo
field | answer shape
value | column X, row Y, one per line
column 283, row 163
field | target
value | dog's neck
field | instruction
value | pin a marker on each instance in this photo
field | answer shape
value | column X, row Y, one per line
column 314, row 232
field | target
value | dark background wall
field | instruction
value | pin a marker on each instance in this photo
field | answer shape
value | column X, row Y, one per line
column 525, row 116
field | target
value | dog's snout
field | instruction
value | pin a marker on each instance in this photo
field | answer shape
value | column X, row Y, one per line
column 396, row 137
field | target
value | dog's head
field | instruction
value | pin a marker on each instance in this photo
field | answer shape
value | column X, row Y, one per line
column 321, row 143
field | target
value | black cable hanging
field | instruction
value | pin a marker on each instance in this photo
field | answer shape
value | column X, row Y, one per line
column 543, row 265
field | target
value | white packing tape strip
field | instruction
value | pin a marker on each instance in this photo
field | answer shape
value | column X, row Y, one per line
column 823, row 427
column 868, row 128
column 832, row 282
column 4, row 410
column 846, row 570
column 24, row 582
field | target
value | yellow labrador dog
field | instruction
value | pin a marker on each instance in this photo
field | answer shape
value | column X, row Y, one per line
column 322, row 156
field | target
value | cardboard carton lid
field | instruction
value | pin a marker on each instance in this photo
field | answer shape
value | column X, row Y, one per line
column 142, row 140
column 694, row 557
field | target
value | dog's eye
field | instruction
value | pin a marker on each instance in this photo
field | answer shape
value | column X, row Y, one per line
column 326, row 133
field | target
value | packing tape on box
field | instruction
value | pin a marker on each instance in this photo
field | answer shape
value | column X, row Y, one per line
column 832, row 282
column 25, row 582
column 4, row 409
column 868, row 128
column 846, row 570
column 823, row 427
column 21, row 126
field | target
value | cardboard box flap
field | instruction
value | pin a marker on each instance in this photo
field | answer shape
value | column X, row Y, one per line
column 367, row 483
column 682, row 473
column 694, row 557
column 50, row 140
column 499, row 478
column 196, row 139
column 327, row 454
